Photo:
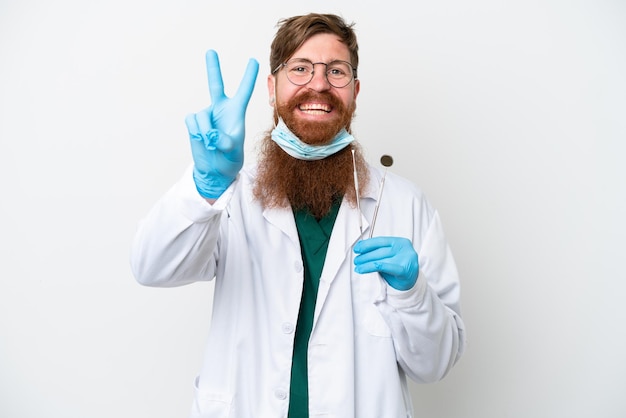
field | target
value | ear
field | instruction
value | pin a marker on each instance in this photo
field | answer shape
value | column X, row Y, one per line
column 271, row 89
column 357, row 87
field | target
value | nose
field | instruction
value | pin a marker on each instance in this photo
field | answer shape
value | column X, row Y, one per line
column 319, row 82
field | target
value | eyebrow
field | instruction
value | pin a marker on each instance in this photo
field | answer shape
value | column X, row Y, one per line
column 327, row 62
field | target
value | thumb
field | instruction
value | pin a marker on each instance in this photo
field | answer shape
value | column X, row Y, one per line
column 223, row 142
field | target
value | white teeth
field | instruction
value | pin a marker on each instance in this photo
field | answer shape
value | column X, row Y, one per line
column 315, row 108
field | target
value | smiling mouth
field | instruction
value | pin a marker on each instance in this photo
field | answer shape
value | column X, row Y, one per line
column 315, row 108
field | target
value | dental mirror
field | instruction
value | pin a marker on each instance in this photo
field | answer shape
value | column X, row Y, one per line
column 386, row 160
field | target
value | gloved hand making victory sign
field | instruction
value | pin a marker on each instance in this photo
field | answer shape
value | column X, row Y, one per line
column 217, row 133
column 394, row 258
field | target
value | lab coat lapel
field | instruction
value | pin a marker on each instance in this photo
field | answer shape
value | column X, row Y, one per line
column 347, row 231
column 282, row 218
column 345, row 234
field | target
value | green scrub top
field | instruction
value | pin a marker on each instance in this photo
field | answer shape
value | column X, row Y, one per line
column 314, row 237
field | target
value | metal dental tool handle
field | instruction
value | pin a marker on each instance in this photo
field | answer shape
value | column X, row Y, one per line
column 386, row 161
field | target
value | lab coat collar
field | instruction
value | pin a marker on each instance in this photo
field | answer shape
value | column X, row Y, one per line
column 282, row 218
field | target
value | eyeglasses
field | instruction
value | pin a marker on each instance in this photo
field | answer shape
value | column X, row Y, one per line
column 300, row 71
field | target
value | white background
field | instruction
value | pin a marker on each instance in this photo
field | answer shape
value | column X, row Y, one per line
column 511, row 115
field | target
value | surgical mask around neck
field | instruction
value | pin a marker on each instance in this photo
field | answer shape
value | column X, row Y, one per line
column 293, row 146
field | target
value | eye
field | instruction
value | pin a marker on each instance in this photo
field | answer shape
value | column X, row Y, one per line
column 338, row 69
column 300, row 67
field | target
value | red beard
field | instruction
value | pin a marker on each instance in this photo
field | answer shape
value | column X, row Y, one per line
column 284, row 181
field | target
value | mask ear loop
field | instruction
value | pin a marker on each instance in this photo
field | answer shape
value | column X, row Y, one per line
column 274, row 105
column 356, row 191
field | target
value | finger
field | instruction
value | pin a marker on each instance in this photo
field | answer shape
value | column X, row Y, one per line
column 378, row 266
column 388, row 266
column 214, row 75
column 390, row 269
column 377, row 254
column 203, row 121
column 370, row 244
column 192, row 126
column 246, row 87
column 209, row 135
column 198, row 149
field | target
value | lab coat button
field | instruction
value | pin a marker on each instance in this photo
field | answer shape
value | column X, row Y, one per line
column 287, row 328
column 298, row 266
column 280, row 394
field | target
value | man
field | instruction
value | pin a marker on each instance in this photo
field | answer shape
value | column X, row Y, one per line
column 310, row 316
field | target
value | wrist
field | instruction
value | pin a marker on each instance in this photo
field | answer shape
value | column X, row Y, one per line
column 210, row 187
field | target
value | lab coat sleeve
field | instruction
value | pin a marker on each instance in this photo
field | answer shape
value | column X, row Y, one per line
column 425, row 321
column 177, row 242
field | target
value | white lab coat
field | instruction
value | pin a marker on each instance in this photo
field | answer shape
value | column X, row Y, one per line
column 366, row 336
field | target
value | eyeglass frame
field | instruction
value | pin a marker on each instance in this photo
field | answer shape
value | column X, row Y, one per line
column 284, row 64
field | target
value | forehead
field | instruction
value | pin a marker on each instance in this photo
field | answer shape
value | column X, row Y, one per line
column 323, row 47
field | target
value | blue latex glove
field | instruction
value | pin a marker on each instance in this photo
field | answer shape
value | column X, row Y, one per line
column 394, row 258
column 217, row 132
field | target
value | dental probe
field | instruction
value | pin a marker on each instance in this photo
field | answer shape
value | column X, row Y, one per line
column 386, row 161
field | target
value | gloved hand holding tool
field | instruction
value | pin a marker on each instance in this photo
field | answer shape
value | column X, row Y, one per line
column 394, row 258
column 217, row 133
